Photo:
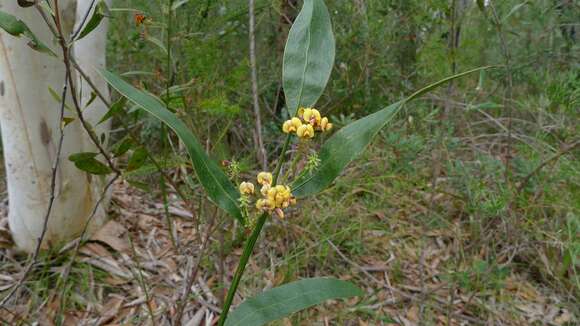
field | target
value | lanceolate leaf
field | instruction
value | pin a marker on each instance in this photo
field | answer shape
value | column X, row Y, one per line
column 98, row 14
column 349, row 142
column 308, row 56
column 18, row 28
column 213, row 179
column 87, row 162
column 289, row 298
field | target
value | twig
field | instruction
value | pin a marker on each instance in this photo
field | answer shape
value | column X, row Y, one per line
column 509, row 87
column 253, row 67
column 192, row 276
column 142, row 281
column 50, row 201
column 555, row 157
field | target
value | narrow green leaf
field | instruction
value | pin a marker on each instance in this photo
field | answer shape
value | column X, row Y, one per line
column 115, row 109
column 101, row 10
column 213, row 179
column 349, row 142
column 91, row 99
column 56, row 96
column 67, row 120
column 87, row 162
column 18, row 28
column 82, row 156
column 308, row 56
column 157, row 43
column 122, row 147
column 178, row 4
column 137, row 159
column 289, row 298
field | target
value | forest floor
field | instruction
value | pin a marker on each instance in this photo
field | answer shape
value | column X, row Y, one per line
column 372, row 233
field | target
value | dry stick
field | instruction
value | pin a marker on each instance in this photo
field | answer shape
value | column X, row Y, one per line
column 390, row 288
column 509, row 86
column 555, row 157
column 50, row 201
column 189, row 281
column 141, row 281
column 253, row 67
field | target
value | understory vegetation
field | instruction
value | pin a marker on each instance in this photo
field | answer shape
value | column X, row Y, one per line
column 464, row 209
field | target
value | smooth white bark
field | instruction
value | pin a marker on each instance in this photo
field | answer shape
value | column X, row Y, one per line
column 29, row 118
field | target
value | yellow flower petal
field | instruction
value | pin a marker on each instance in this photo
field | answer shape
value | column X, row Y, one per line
column 246, row 188
column 265, row 178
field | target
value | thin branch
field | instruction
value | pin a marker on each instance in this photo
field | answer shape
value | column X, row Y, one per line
column 509, row 87
column 50, row 201
column 192, row 276
column 253, row 67
column 555, row 157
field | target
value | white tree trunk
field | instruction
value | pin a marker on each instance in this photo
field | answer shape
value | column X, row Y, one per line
column 29, row 118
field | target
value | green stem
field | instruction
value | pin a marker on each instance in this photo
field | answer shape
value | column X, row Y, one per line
column 248, row 249
column 282, row 159
column 250, row 243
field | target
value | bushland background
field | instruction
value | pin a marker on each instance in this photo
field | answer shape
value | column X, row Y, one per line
column 465, row 209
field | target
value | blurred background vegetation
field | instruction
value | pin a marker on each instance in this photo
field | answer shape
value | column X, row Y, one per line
column 458, row 171
column 465, row 209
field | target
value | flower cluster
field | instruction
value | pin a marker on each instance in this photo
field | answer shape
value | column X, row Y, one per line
column 308, row 120
column 274, row 198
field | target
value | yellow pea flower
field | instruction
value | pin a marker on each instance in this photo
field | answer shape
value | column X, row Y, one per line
column 264, row 205
column 265, row 178
column 312, row 116
column 246, row 188
column 291, row 125
column 265, row 189
column 300, row 112
column 305, row 131
column 325, row 125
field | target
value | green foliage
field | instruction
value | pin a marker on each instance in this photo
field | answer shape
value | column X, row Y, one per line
column 101, row 10
column 308, row 56
column 87, row 162
column 18, row 28
column 215, row 182
column 349, row 142
column 220, row 107
column 282, row 301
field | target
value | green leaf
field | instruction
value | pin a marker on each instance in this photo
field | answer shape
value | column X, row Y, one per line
column 82, row 156
column 115, row 109
column 101, row 10
column 137, row 159
column 122, row 147
column 289, row 298
column 308, row 56
column 18, row 28
column 216, row 183
column 87, row 162
column 349, row 142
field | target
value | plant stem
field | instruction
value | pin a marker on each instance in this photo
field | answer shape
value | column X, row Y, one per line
column 281, row 160
column 249, row 247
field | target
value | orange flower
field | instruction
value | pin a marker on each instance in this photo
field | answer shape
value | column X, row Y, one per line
column 139, row 19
